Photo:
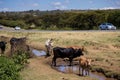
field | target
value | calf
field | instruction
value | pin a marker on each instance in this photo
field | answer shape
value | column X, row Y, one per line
column 3, row 46
column 85, row 64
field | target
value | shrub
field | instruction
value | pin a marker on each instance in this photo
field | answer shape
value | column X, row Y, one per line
column 20, row 57
column 13, row 23
column 8, row 69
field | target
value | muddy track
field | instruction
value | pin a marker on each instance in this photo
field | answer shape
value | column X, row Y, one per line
column 39, row 69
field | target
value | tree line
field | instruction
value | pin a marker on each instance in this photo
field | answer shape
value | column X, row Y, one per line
column 60, row 19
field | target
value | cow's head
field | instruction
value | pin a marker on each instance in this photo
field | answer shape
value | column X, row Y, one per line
column 89, row 62
column 3, row 42
column 84, row 49
column 79, row 52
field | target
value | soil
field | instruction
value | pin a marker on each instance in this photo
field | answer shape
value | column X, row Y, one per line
column 39, row 68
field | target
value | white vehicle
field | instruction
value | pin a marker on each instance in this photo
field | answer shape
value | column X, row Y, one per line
column 17, row 28
column 107, row 26
column 1, row 26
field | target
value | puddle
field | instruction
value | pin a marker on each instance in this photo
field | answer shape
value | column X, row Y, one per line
column 38, row 52
column 75, row 70
column 98, row 76
column 70, row 69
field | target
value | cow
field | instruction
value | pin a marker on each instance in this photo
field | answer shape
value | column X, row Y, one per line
column 18, row 44
column 85, row 64
column 60, row 52
column 2, row 46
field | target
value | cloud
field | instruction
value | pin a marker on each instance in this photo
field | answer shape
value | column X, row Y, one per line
column 58, row 5
column 105, row 8
column 5, row 9
column 30, row 4
column 35, row 4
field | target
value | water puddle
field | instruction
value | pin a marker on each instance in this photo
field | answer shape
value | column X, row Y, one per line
column 75, row 70
column 38, row 53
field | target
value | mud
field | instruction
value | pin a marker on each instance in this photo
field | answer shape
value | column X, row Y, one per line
column 63, row 66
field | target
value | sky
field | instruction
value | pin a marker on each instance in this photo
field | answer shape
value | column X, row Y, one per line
column 43, row 5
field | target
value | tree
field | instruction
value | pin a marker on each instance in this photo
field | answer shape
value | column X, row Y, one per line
column 114, row 18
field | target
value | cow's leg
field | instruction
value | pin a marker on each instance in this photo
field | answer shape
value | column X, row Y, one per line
column 86, row 72
column 54, row 61
column 1, row 52
column 70, row 59
column 3, row 49
column 82, row 71
column 79, row 69
column 48, row 50
column 12, row 50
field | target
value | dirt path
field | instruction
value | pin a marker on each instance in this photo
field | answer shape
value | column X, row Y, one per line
column 38, row 69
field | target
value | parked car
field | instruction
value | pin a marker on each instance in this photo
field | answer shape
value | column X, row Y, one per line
column 17, row 28
column 107, row 26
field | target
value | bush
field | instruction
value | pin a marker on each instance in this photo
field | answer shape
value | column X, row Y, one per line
column 8, row 69
column 12, row 23
column 20, row 57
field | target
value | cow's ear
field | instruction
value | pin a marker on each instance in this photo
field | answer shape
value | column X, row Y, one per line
column 83, row 48
column 92, row 60
column 78, row 49
column 5, row 42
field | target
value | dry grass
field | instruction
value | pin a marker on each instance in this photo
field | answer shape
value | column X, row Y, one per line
column 103, row 48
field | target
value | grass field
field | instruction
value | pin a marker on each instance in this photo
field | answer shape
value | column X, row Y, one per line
column 103, row 48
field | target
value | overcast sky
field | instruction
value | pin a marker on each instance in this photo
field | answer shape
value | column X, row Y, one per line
column 23, row 5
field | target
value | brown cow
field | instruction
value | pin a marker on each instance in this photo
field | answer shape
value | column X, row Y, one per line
column 85, row 64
